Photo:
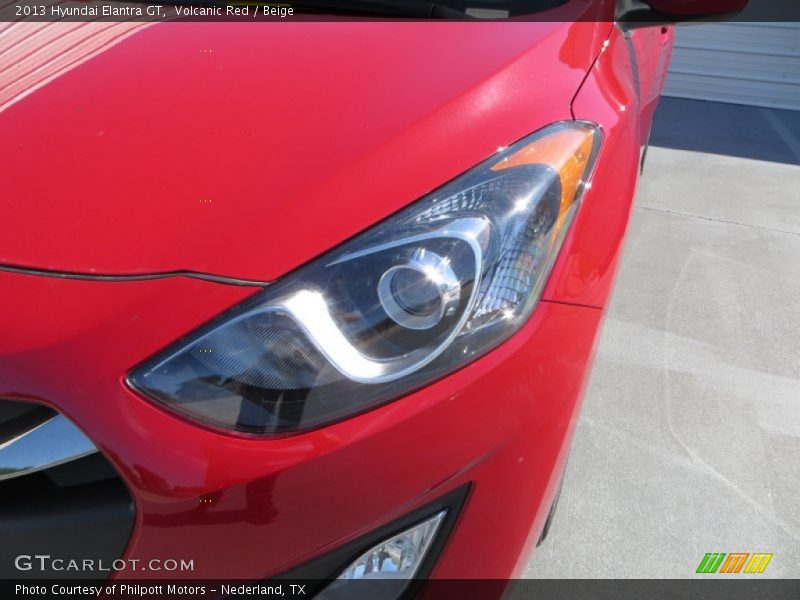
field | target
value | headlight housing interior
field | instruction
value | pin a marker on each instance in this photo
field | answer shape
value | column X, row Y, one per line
column 415, row 297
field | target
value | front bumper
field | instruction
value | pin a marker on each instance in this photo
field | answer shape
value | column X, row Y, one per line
column 245, row 508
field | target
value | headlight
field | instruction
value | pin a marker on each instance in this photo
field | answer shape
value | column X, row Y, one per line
column 415, row 297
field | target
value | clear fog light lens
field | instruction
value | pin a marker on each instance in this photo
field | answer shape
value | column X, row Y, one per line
column 398, row 558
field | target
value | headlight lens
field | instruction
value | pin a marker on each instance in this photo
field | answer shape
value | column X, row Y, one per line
column 413, row 298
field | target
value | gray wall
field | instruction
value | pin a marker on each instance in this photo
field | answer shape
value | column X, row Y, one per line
column 744, row 63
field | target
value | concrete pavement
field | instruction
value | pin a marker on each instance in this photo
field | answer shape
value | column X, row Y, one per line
column 689, row 440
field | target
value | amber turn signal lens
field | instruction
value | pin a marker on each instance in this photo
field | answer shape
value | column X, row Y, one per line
column 567, row 151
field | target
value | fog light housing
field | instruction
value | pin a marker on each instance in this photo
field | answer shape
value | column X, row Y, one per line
column 394, row 562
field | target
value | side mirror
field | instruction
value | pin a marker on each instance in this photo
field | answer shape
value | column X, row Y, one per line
column 632, row 14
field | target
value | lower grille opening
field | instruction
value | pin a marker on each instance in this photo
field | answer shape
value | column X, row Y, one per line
column 17, row 418
column 69, row 506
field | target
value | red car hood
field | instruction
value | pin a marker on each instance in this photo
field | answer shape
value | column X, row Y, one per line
column 244, row 150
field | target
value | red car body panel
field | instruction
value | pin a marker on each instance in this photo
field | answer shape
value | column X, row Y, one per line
column 623, row 104
column 225, row 143
column 280, row 501
column 297, row 146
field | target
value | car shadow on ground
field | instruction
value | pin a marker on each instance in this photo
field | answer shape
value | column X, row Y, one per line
column 731, row 129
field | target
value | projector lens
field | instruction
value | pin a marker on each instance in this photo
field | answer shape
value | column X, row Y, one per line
column 415, row 292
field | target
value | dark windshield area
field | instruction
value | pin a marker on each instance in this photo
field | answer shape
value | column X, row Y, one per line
column 446, row 9
column 513, row 8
